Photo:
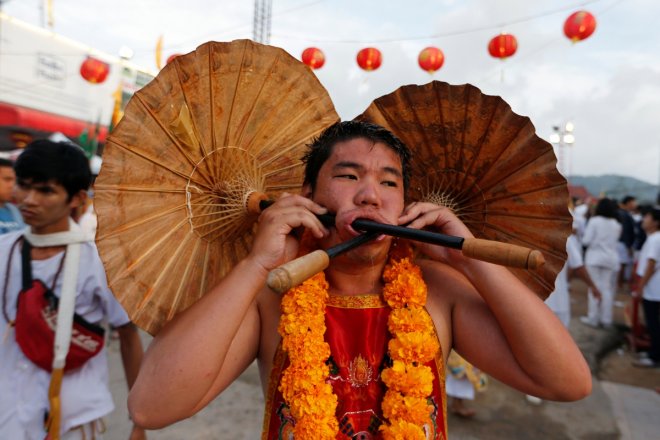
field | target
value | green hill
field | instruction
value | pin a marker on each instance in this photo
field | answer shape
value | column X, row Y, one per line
column 617, row 187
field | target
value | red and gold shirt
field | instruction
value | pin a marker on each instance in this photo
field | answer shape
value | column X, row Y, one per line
column 358, row 336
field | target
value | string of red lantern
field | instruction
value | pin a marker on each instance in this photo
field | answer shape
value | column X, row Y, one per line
column 369, row 58
column 94, row 70
column 502, row 46
column 313, row 57
column 579, row 26
column 431, row 59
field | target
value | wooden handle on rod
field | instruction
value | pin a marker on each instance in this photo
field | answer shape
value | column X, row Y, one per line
column 297, row 271
column 503, row 254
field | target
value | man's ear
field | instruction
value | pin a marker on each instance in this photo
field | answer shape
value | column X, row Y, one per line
column 306, row 191
column 78, row 199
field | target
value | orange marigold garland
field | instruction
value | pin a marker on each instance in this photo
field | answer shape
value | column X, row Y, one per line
column 302, row 326
column 303, row 385
column 413, row 344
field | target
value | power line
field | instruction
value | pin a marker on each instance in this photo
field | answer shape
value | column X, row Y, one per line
column 443, row 34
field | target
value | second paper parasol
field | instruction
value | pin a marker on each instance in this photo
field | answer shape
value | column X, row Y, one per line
column 473, row 154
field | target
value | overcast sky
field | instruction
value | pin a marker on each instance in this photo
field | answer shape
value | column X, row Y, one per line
column 607, row 85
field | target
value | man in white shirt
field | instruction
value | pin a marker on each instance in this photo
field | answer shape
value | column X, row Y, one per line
column 52, row 180
column 649, row 286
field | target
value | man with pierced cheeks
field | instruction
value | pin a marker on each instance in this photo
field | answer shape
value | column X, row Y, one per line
column 481, row 310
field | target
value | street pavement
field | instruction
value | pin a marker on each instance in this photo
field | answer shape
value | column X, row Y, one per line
column 623, row 404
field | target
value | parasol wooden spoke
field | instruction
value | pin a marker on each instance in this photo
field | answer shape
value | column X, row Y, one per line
column 182, row 151
column 128, row 188
column 133, row 152
column 139, row 223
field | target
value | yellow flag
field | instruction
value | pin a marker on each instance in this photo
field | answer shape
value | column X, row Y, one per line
column 159, row 52
column 49, row 14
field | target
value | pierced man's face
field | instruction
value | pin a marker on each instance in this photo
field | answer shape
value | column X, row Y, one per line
column 360, row 179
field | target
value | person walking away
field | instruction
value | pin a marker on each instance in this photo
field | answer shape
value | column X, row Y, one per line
column 10, row 217
column 601, row 258
column 559, row 299
column 627, row 239
column 47, row 265
column 649, row 286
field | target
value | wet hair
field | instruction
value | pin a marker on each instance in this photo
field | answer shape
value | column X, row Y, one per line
column 607, row 208
column 6, row 163
column 321, row 148
column 62, row 162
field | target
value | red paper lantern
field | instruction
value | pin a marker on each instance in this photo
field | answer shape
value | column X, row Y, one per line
column 369, row 58
column 503, row 46
column 171, row 58
column 431, row 59
column 313, row 57
column 579, row 26
column 94, row 70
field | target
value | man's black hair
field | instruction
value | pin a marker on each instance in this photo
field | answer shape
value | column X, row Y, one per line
column 627, row 199
column 62, row 162
column 607, row 208
column 655, row 214
column 6, row 163
column 321, row 148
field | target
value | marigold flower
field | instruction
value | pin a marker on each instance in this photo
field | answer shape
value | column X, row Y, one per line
column 316, row 429
column 401, row 430
column 413, row 347
column 410, row 319
column 301, row 380
column 408, row 408
column 319, row 402
column 408, row 379
column 308, row 348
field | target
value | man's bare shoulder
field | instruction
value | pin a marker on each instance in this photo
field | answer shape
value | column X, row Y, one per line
column 446, row 287
column 445, row 284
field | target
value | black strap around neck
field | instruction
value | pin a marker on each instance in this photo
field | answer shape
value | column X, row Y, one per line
column 26, row 260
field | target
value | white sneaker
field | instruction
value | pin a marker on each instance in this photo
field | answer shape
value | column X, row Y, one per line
column 588, row 322
column 646, row 363
column 533, row 399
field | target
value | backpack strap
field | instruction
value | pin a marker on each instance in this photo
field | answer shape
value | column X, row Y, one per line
column 26, row 264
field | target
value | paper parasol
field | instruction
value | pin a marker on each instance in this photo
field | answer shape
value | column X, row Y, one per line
column 214, row 125
column 472, row 153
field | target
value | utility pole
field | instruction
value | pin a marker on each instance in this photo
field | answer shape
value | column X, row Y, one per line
column 261, row 23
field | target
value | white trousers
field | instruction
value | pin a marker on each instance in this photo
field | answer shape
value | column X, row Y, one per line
column 89, row 431
column 605, row 280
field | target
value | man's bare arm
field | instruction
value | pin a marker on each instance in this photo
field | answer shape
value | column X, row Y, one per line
column 510, row 333
column 498, row 323
column 131, row 357
column 202, row 350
